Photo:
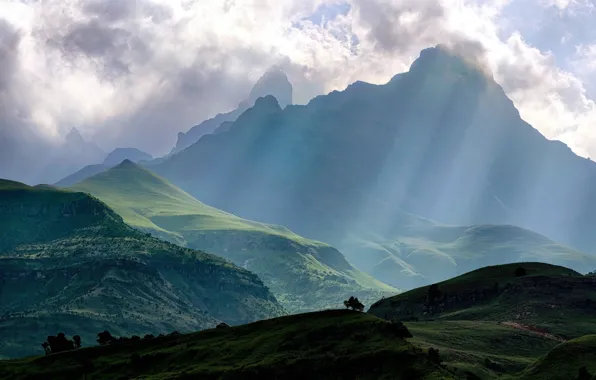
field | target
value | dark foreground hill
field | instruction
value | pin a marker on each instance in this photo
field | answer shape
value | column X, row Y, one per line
column 499, row 320
column 324, row 345
column 69, row 263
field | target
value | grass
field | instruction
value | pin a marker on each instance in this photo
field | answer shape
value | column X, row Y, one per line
column 335, row 344
column 304, row 275
column 564, row 361
column 491, row 322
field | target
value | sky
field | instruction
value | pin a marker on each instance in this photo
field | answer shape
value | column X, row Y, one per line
column 134, row 73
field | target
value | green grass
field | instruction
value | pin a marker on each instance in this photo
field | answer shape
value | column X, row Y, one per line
column 491, row 313
column 564, row 361
column 304, row 275
column 333, row 344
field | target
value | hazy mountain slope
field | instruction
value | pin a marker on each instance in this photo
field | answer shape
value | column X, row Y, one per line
column 326, row 345
column 274, row 82
column 442, row 141
column 114, row 158
column 417, row 251
column 69, row 263
column 302, row 274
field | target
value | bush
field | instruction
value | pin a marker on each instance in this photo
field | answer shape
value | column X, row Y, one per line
column 520, row 271
column 433, row 356
column 354, row 304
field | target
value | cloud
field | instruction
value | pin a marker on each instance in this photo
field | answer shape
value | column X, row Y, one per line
column 134, row 73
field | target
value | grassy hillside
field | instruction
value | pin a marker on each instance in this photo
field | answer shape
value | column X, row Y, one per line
column 332, row 344
column 416, row 251
column 564, row 361
column 303, row 274
column 493, row 322
column 69, row 263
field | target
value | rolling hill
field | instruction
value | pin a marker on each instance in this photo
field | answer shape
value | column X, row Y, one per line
column 494, row 321
column 303, row 275
column 332, row 344
column 69, row 263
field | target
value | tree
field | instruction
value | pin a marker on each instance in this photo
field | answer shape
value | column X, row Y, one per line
column 59, row 343
column 433, row 356
column 104, row 338
column 354, row 304
column 520, row 271
column 46, row 347
column 77, row 341
column 583, row 374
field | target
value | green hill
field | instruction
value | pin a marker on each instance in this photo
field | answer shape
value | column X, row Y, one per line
column 493, row 322
column 69, row 263
column 325, row 345
column 564, row 361
column 303, row 274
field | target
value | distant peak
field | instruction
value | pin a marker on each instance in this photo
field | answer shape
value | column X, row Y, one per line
column 274, row 82
column 120, row 154
column 74, row 136
column 127, row 164
column 268, row 101
column 463, row 57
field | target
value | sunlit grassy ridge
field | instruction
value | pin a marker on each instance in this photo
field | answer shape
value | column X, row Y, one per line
column 303, row 274
column 325, row 345
column 70, row 263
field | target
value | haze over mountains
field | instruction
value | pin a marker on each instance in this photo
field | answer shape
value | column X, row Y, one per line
column 441, row 141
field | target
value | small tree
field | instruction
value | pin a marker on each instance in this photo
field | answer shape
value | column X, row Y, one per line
column 520, row 271
column 583, row 374
column 104, row 338
column 77, row 341
column 433, row 356
column 46, row 348
column 354, row 304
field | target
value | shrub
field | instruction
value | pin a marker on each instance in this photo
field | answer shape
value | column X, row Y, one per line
column 520, row 271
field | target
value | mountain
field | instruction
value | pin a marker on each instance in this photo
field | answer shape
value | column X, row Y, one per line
column 442, row 141
column 69, row 263
column 333, row 344
column 274, row 82
column 496, row 321
column 114, row 158
column 120, row 154
column 344, row 168
column 302, row 274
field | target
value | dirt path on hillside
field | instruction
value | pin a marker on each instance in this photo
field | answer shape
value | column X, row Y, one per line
column 533, row 329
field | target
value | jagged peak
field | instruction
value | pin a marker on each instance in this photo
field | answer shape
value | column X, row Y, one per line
column 274, row 82
column 74, row 136
column 468, row 58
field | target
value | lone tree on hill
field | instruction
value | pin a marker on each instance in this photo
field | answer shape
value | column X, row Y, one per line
column 77, row 341
column 354, row 304
column 520, row 271
column 104, row 338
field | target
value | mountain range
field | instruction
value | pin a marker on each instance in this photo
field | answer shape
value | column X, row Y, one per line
column 274, row 82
